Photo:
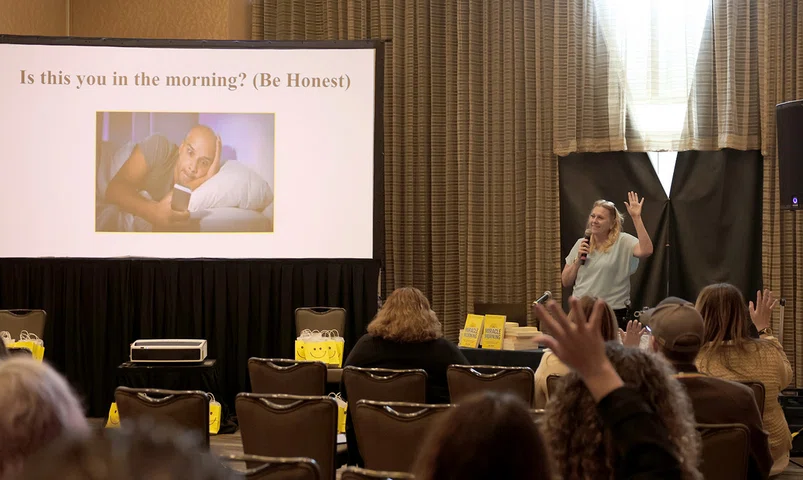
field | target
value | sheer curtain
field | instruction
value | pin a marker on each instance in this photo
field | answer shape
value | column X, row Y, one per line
column 653, row 47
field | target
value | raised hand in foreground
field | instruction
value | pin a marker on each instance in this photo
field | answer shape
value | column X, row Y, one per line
column 578, row 343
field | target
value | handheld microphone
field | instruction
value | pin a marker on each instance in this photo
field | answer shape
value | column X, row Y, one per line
column 543, row 298
column 584, row 256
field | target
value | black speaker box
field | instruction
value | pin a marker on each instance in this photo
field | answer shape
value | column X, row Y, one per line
column 789, row 120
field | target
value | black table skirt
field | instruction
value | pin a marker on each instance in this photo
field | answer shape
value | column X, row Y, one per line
column 203, row 376
column 504, row 358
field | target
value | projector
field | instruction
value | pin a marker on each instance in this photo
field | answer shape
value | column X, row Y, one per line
column 168, row 351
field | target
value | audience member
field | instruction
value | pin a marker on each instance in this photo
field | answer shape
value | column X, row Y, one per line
column 489, row 435
column 729, row 352
column 677, row 334
column 405, row 334
column 37, row 405
column 621, row 413
column 551, row 364
column 139, row 450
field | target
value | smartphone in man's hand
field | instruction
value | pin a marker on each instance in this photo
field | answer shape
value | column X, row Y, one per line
column 181, row 198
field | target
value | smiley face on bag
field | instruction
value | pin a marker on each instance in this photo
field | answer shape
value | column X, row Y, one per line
column 317, row 351
column 332, row 352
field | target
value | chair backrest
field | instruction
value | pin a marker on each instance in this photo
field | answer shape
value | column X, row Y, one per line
column 289, row 426
column 320, row 318
column 292, row 377
column 15, row 321
column 514, row 312
column 552, row 383
column 383, row 384
column 725, row 450
column 758, row 390
column 186, row 409
column 390, row 434
column 357, row 473
column 464, row 380
column 275, row 468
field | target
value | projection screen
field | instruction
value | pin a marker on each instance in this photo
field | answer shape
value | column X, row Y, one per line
column 190, row 149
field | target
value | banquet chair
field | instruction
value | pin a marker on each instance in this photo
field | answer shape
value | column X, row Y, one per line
column 292, row 377
column 274, row 468
column 357, row 473
column 17, row 320
column 277, row 425
column 725, row 451
column 186, row 409
column 464, row 380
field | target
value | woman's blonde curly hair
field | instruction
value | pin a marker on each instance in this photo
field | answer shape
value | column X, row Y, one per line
column 406, row 317
column 582, row 448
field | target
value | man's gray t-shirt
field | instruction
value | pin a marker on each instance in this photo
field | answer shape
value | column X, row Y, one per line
column 160, row 155
column 607, row 275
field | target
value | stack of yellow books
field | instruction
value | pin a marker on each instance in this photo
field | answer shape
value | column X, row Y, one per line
column 520, row 338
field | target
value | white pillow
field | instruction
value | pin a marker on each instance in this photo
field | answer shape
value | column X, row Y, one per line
column 235, row 185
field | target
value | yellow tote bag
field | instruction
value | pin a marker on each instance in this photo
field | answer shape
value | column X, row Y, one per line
column 214, row 416
column 300, row 350
column 334, row 347
column 113, row 420
column 342, row 406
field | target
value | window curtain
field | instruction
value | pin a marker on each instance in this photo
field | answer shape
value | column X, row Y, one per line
column 471, row 194
column 780, row 48
column 651, row 75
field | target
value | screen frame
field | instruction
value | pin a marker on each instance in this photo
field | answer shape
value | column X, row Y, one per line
column 379, row 90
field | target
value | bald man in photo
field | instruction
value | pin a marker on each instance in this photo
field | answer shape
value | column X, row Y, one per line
column 155, row 166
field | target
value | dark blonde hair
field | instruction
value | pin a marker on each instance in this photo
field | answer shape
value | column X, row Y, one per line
column 406, row 317
column 618, row 222
column 583, row 448
column 488, row 435
column 726, row 319
column 608, row 326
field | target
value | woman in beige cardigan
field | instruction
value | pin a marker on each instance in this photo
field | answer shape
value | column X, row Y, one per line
column 730, row 352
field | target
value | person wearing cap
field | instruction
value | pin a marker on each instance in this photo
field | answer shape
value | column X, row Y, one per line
column 678, row 333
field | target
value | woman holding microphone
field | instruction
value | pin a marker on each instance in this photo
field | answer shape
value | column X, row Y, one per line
column 600, row 265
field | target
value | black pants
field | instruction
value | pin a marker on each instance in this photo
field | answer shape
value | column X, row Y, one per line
column 621, row 317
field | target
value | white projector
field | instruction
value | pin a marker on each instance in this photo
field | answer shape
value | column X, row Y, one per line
column 168, row 351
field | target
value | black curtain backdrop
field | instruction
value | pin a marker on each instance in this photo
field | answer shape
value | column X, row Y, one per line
column 716, row 222
column 588, row 177
column 709, row 232
column 244, row 308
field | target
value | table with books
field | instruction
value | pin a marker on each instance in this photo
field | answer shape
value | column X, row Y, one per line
column 502, row 343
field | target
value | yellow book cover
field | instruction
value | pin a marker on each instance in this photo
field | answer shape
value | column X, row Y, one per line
column 493, row 332
column 472, row 331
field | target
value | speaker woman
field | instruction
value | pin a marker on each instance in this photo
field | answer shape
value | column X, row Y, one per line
column 601, row 263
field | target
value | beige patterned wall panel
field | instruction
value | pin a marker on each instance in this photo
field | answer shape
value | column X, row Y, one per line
column 185, row 19
column 33, row 17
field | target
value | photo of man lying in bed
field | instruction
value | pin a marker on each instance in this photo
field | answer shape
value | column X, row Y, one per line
column 138, row 180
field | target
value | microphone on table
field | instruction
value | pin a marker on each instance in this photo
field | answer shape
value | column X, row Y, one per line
column 584, row 256
column 543, row 298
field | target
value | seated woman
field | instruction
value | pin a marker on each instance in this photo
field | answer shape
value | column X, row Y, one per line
column 551, row 364
column 37, row 406
column 489, row 435
column 405, row 334
column 586, row 445
column 729, row 352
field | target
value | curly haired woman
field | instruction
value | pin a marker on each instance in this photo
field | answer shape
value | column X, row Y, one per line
column 580, row 444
